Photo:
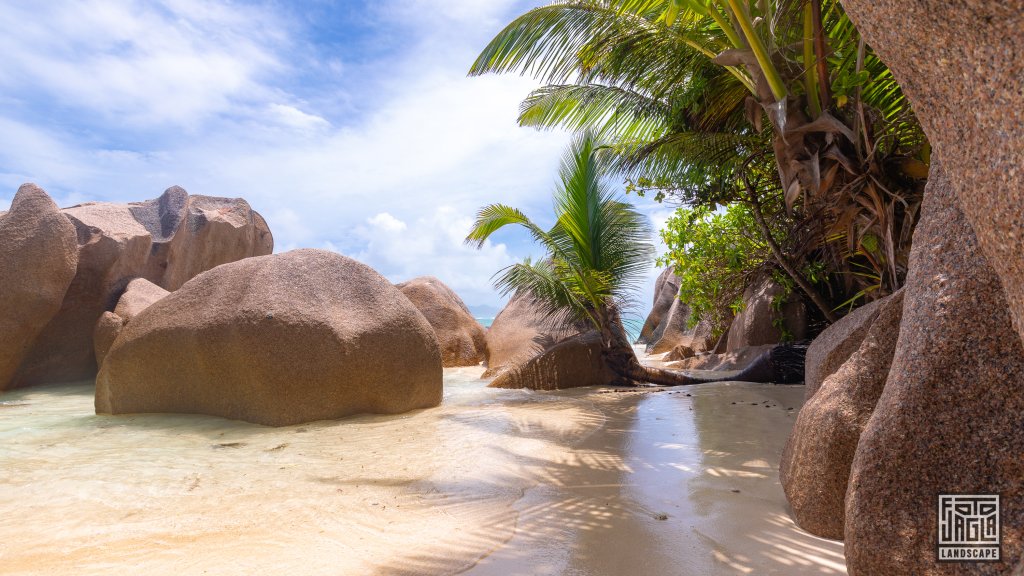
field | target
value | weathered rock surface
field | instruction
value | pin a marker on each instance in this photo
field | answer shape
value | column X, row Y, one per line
column 949, row 419
column 736, row 360
column 754, row 326
column 138, row 295
column 680, row 352
column 38, row 258
column 520, row 332
column 108, row 328
column 571, row 363
column 675, row 331
column 276, row 340
column 974, row 122
column 166, row 240
column 666, row 288
column 112, row 247
column 214, row 231
column 815, row 467
column 836, row 344
column 463, row 340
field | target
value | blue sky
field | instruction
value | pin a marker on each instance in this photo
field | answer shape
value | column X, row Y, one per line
column 349, row 125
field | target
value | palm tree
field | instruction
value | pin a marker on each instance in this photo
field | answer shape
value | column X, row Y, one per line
column 597, row 251
column 680, row 88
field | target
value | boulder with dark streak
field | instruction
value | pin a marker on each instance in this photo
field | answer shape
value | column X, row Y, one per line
column 761, row 318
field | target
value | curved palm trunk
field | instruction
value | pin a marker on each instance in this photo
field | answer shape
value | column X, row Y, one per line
column 619, row 355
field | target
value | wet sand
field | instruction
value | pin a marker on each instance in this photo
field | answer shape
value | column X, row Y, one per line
column 493, row 482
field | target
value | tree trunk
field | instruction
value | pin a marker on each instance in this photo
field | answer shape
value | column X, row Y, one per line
column 620, row 357
column 814, row 295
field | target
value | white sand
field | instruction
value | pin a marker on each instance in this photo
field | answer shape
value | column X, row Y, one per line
column 493, row 482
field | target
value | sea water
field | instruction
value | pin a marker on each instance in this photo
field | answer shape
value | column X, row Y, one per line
column 592, row 481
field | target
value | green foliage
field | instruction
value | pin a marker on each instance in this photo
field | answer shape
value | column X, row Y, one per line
column 714, row 253
column 597, row 251
column 685, row 95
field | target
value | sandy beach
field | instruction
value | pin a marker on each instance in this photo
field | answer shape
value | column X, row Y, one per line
column 680, row 481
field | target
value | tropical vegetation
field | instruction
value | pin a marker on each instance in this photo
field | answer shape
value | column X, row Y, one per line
column 773, row 110
column 597, row 250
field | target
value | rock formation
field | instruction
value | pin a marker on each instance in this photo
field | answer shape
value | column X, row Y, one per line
column 463, row 340
column 836, row 344
column 276, row 340
column 166, row 240
column 666, row 288
column 736, row 360
column 974, row 122
column 680, row 352
column 139, row 295
column 214, row 231
column 38, row 258
column 754, row 325
column 949, row 419
column 815, row 467
column 675, row 331
column 520, row 332
column 108, row 328
column 571, row 363
column 960, row 64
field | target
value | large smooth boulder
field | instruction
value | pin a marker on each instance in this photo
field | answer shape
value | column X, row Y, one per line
column 166, row 240
column 755, row 324
column 38, row 259
column 961, row 64
column 463, row 340
column 276, row 340
column 138, row 295
column 520, row 332
column 949, row 420
column 815, row 467
column 666, row 292
column 571, row 363
column 836, row 344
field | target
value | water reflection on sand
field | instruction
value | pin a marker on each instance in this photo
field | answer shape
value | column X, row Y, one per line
column 492, row 482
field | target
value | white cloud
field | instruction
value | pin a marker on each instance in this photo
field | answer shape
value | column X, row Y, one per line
column 139, row 63
column 386, row 223
column 432, row 245
column 292, row 117
column 119, row 100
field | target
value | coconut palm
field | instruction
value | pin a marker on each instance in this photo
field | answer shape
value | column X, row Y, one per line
column 681, row 89
column 597, row 251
